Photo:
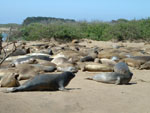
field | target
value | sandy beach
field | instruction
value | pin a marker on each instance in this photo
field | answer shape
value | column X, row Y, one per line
column 85, row 96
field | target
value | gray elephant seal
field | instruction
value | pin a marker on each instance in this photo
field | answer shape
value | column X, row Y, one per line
column 20, row 52
column 122, row 68
column 45, row 82
column 27, row 60
column 87, row 59
column 112, row 78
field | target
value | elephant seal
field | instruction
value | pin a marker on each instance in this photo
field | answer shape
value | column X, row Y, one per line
column 20, row 52
column 45, row 82
column 122, row 68
column 145, row 66
column 59, row 60
column 135, row 61
column 67, row 67
column 112, row 78
column 10, row 80
column 6, row 72
column 27, row 71
column 27, row 60
column 41, row 56
column 96, row 67
column 87, row 59
column 107, row 61
column 46, row 51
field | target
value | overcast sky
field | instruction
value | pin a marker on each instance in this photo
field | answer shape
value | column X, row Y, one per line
column 15, row 11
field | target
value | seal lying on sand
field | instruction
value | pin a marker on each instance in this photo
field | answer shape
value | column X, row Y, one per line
column 95, row 67
column 112, row 78
column 27, row 60
column 137, row 61
column 10, row 80
column 45, row 82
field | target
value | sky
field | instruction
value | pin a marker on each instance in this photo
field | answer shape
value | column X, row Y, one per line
column 15, row 11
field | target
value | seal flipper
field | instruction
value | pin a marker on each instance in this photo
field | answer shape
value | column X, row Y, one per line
column 61, row 85
column 15, row 89
column 9, row 90
column 118, row 82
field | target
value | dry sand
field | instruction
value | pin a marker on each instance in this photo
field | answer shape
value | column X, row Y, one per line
column 85, row 96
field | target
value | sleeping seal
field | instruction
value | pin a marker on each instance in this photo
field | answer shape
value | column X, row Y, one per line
column 112, row 78
column 45, row 82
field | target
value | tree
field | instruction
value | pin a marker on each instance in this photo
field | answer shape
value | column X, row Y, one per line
column 1, row 42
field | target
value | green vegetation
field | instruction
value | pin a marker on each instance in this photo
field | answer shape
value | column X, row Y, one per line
column 119, row 30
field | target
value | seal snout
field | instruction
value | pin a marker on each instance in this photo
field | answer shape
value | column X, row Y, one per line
column 71, row 74
column 131, row 73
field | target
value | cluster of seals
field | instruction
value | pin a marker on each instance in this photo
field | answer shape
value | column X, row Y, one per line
column 69, row 58
column 45, row 82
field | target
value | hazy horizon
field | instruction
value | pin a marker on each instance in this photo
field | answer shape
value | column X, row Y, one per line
column 103, row 10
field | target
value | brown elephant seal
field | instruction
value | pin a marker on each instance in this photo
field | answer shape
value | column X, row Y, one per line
column 59, row 60
column 27, row 71
column 108, row 53
column 107, row 61
column 112, row 78
column 96, row 67
column 7, row 71
column 50, row 68
column 45, row 82
column 70, row 69
column 145, row 66
column 136, row 61
column 45, row 63
column 20, row 52
column 67, row 67
column 143, row 58
column 10, row 80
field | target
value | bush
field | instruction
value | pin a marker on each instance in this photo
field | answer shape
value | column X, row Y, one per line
column 120, row 30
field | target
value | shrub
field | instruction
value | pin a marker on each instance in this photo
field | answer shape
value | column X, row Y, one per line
column 120, row 29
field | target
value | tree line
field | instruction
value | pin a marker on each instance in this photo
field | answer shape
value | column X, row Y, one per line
column 36, row 28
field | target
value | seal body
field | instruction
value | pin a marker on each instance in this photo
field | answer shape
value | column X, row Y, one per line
column 46, row 82
column 145, row 66
column 27, row 60
column 95, row 67
column 87, row 59
column 112, row 78
column 19, row 52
